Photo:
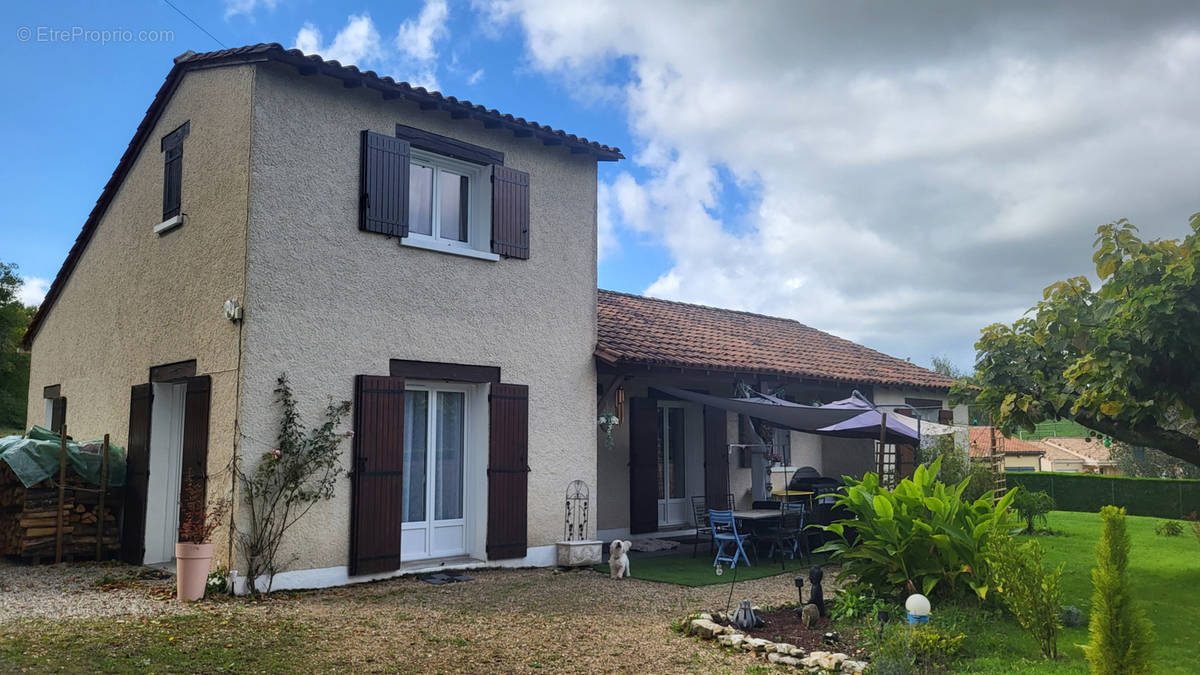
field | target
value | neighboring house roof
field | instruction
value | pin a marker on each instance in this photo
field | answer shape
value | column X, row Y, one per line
column 308, row 65
column 1090, row 452
column 638, row 330
column 981, row 443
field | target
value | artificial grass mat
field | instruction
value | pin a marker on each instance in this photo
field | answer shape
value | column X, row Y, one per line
column 684, row 570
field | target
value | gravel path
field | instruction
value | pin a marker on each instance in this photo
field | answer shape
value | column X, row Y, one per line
column 82, row 591
column 532, row 620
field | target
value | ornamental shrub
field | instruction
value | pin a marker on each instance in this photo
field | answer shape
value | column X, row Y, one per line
column 1032, row 507
column 914, row 650
column 918, row 538
column 1028, row 590
column 1120, row 635
column 1169, row 528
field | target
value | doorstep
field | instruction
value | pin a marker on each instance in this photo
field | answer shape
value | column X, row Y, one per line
column 439, row 564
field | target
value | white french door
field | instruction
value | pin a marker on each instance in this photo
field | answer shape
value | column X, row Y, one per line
column 435, row 435
column 672, row 486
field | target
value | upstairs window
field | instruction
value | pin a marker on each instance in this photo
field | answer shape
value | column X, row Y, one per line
column 172, row 149
column 443, row 194
column 447, row 202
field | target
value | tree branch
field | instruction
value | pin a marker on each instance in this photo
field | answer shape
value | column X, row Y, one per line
column 1173, row 443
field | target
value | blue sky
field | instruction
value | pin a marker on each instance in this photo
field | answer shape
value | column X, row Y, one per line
column 900, row 174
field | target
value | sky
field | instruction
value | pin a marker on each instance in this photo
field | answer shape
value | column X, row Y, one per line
column 899, row 174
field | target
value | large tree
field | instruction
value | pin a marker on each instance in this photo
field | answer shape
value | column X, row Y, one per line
column 1123, row 359
column 14, row 366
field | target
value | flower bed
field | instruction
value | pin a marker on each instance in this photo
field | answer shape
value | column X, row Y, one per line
column 816, row 652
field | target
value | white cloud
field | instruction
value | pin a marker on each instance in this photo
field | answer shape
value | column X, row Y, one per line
column 475, row 77
column 33, row 290
column 416, row 40
column 247, row 7
column 915, row 171
column 357, row 43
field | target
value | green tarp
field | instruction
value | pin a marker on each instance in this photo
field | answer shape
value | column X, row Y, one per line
column 34, row 458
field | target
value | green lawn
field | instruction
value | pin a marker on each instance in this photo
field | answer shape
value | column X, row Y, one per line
column 1165, row 575
column 684, row 570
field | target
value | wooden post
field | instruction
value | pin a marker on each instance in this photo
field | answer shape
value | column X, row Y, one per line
column 62, row 489
column 100, row 508
column 882, row 442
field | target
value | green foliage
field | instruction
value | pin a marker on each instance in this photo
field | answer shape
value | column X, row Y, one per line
column 1150, row 463
column 217, row 583
column 1155, row 497
column 1032, row 507
column 14, row 366
column 856, row 602
column 287, row 482
column 1121, row 636
column 914, row 650
column 1169, row 528
column 956, row 464
column 1120, row 359
column 1029, row 591
column 981, row 482
column 918, row 538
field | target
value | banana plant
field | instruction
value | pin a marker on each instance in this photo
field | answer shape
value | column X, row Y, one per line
column 920, row 537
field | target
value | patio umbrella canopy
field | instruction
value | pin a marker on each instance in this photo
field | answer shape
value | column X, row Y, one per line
column 786, row 414
column 866, row 423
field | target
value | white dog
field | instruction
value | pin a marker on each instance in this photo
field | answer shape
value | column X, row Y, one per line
column 618, row 560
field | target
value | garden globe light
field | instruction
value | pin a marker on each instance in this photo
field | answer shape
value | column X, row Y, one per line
column 918, row 609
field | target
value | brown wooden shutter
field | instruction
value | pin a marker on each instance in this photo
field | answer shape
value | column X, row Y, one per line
column 58, row 413
column 377, row 481
column 195, row 442
column 383, row 185
column 643, row 465
column 945, row 417
column 510, row 212
column 508, row 471
column 137, row 475
column 716, row 458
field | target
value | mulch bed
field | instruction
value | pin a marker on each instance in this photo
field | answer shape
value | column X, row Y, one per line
column 783, row 625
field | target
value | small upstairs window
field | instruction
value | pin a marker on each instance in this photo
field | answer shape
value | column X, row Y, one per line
column 172, row 148
column 446, row 201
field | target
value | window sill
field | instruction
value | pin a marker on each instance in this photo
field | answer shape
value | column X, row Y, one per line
column 448, row 247
column 168, row 225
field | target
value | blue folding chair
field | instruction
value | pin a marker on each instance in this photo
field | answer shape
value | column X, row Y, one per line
column 724, row 532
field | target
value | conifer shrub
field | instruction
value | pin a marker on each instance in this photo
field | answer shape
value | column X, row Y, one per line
column 1120, row 635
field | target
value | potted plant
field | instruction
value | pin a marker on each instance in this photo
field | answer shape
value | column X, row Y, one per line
column 194, row 551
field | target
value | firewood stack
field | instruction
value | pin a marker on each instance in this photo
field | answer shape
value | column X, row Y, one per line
column 29, row 517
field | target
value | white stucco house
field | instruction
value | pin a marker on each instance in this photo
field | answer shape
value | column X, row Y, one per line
column 430, row 260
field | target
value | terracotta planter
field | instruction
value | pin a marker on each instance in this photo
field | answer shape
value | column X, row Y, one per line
column 192, row 562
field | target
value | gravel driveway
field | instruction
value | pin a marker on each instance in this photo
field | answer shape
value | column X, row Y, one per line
column 82, row 591
column 504, row 620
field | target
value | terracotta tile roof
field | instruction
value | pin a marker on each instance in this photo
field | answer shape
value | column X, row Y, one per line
column 980, row 440
column 1092, row 450
column 306, row 64
column 429, row 100
column 635, row 329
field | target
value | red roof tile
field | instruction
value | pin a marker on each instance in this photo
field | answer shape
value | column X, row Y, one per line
column 980, row 440
column 647, row 331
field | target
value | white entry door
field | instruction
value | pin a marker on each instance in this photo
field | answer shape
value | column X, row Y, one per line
column 435, row 433
column 672, row 485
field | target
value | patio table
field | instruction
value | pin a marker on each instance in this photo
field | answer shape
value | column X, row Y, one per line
column 754, row 522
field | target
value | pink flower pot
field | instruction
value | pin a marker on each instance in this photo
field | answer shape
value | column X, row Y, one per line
column 192, row 562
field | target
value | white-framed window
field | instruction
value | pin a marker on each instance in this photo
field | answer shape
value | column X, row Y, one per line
column 449, row 204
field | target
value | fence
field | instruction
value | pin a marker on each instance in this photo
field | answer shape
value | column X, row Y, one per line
column 1156, row 497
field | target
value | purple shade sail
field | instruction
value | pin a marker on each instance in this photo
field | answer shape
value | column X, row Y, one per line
column 866, row 424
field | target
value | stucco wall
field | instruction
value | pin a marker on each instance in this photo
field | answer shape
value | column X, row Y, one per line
column 326, row 302
column 137, row 299
column 1029, row 462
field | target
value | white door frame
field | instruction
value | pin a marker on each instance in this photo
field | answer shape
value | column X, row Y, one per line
column 428, row 538
column 165, row 465
column 673, row 511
